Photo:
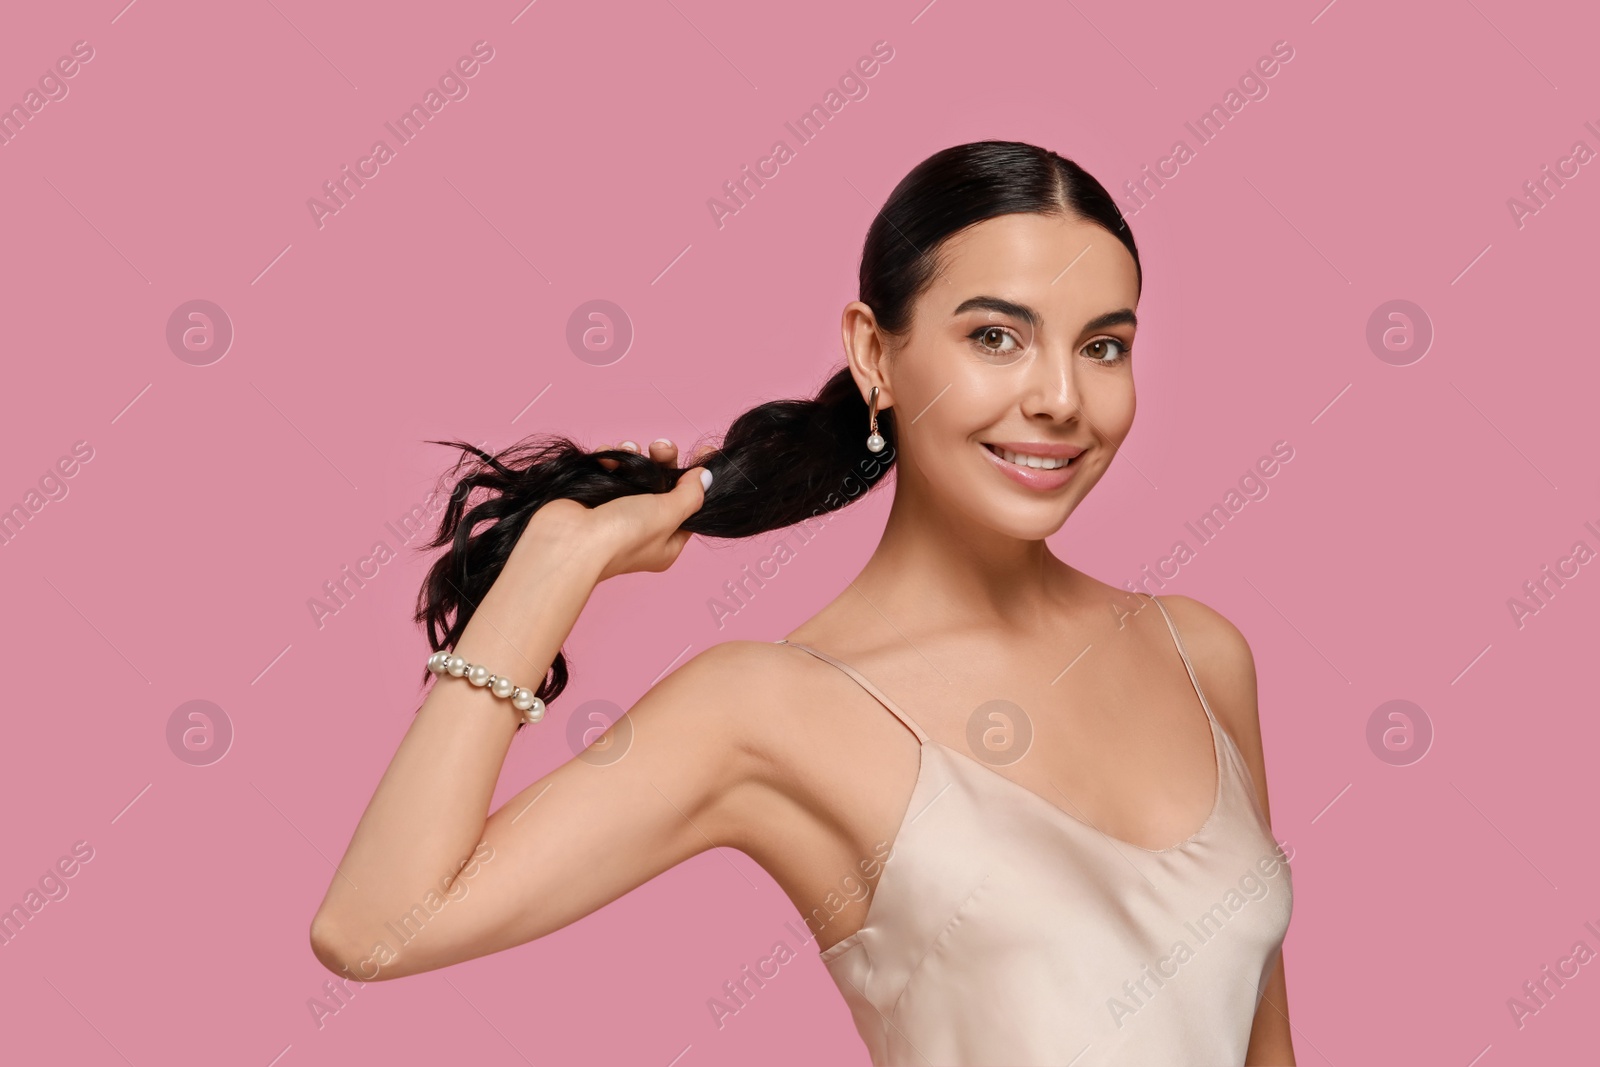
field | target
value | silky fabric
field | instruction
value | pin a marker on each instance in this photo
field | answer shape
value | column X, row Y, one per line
column 1004, row 930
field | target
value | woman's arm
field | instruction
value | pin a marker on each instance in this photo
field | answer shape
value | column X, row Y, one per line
column 430, row 878
column 1222, row 658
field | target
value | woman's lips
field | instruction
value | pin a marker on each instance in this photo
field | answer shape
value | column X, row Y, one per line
column 1033, row 477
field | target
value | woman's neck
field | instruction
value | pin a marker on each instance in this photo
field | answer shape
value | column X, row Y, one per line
column 940, row 570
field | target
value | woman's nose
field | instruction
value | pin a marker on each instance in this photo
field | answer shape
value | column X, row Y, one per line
column 1049, row 388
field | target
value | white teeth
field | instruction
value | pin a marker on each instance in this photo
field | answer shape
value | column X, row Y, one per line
column 1038, row 462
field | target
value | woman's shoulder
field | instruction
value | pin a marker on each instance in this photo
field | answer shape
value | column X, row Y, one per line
column 1209, row 637
column 751, row 687
column 736, row 672
column 741, row 666
column 1226, row 670
column 1215, row 645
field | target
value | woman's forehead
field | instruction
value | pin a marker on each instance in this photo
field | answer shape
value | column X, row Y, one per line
column 1040, row 260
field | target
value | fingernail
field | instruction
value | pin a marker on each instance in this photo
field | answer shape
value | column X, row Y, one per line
column 661, row 441
column 629, row 445
column 705, row 478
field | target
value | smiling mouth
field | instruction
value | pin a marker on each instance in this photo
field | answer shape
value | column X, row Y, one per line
column 1041, row 463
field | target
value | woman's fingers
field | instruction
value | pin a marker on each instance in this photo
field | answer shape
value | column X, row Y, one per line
column 664, row 452
column 611, row 464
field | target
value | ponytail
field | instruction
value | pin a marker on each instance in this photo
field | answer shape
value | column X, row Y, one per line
column 779, row 464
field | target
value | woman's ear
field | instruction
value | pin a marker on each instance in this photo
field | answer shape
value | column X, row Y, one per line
column 866, row 350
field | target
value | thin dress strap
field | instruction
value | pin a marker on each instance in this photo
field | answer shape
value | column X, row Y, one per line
column 1204, row 703
column 855, row 675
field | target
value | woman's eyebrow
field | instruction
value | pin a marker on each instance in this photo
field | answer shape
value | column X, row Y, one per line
column 1004, row 307
column 1120, row 317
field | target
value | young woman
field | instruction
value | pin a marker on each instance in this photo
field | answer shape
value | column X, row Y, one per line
column 1103, row 887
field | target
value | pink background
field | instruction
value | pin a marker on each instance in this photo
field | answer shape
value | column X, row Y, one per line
column 219, row 498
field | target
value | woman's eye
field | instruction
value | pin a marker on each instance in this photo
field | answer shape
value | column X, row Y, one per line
column 1107, row 350
column 996, row 340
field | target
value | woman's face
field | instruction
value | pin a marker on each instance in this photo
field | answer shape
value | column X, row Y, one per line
column 1020, row 345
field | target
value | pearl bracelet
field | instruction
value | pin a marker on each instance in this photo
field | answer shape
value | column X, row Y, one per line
column 524, row 700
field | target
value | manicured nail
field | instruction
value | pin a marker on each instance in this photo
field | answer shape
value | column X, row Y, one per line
column 705, row 478
column 661, row 441
column 629, row 445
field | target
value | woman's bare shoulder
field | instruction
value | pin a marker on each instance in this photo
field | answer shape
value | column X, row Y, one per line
column 1208, row 634
column 1224, row 664
column 742, row 669
column 750, row 688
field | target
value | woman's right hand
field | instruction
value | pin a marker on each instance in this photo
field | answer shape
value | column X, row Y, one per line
column 639, row 532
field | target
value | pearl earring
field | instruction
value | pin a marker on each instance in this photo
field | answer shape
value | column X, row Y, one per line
column 875, row 441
